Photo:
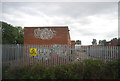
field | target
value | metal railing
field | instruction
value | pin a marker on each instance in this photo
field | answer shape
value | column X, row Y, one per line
column 50, row 55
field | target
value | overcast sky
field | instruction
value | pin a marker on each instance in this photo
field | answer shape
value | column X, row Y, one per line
column 86, row 20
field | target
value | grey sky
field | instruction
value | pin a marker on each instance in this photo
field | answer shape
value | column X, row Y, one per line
column 86, row 20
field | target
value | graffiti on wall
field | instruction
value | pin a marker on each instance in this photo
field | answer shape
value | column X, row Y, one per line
column 47, row 53
column 44, row 34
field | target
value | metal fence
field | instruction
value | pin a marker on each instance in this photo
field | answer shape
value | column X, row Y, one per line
column 49, row 55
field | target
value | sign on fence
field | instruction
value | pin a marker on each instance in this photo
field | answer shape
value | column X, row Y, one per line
column 56, row 55
column 33, row 52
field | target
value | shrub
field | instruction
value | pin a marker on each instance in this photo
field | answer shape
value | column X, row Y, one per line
column 88, row 69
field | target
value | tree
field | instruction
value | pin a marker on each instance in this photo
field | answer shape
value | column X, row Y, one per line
column 114, row 39
column 20, row 38
column 102, row 42
column 11, row 34
column 94, row 42
column 0, row 33
column 99, row 42
column 78, row 42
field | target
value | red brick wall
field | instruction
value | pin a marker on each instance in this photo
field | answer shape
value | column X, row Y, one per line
column 111, row 43
column 62, row 36
column 114, row 43
column 73, row 43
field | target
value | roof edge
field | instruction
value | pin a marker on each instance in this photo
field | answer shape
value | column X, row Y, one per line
column 46, row 26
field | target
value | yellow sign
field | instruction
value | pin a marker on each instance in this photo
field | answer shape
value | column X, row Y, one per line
column 33, row 52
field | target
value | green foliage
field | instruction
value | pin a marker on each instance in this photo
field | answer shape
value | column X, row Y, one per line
column 114, row 39
column 78, row 42
column 94, row 42
column 11, row 34
column 93, row 69
column 88, row 69
column 102, row 42
column 111, row 69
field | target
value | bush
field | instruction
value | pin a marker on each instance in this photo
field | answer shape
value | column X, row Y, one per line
column 111, row 69
column 88, row 69
column 93, row 69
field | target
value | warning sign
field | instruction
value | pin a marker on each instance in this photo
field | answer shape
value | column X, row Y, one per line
column 33, row 52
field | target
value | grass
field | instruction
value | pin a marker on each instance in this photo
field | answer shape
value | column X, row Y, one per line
column 88, row 69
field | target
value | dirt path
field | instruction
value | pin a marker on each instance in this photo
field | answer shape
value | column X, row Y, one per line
column 80, row 56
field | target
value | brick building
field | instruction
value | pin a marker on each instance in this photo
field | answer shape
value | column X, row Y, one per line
column 112, row 43
column 54, row 36
column 47, row 36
